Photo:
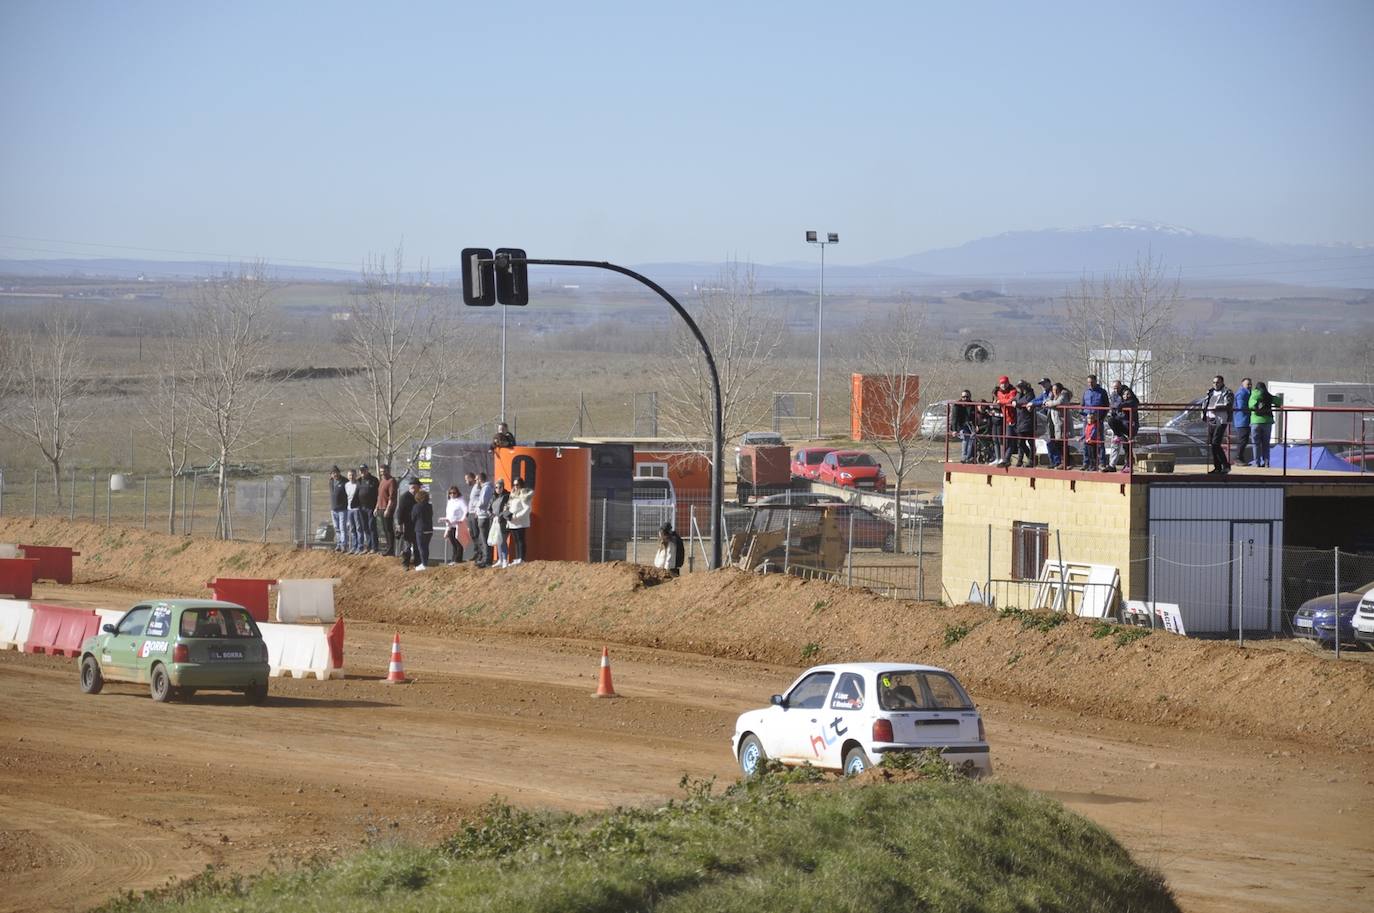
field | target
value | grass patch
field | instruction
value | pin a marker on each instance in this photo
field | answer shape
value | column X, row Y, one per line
column 1123, row 634
column 810, row 651
column 772, row 843
column 955, row 633
column 1043, row 621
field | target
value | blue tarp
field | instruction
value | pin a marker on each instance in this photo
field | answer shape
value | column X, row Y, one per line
column 1298, row 455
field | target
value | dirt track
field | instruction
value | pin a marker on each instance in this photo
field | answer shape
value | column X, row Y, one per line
column 1235, row 821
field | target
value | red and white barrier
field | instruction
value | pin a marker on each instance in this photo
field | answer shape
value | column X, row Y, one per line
column 303, row 651
column 305, row 600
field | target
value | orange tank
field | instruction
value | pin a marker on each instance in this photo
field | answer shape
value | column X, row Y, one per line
column 560, row 508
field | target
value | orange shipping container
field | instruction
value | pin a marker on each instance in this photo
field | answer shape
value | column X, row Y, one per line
column 560, row 507
column 878, row 401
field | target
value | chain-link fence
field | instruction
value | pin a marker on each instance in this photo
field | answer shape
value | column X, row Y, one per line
column 1233, row 579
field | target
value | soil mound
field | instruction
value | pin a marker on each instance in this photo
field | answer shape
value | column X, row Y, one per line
column 1067, row 662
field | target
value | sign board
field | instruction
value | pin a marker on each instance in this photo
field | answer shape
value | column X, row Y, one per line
column 1167, row 615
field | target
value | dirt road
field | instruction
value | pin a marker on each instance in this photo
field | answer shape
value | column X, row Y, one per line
column 107, row 793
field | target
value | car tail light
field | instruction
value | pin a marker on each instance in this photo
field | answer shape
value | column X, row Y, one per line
column 181, row 654
column 882, row 731
column 982, row 733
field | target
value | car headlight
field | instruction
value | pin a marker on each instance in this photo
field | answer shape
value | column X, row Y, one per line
column 846, row 475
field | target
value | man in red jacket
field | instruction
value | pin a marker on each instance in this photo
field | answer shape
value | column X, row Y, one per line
column 386, row 508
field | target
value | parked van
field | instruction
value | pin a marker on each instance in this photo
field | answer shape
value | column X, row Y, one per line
column 655, row 503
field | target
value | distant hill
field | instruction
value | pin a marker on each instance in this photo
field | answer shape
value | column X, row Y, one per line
column 1049, row 254
column 1068, row 252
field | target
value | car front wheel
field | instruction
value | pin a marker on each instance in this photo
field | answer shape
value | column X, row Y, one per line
column 160, row 685
column 91, row 679
column 751, row 756
column 855, row 761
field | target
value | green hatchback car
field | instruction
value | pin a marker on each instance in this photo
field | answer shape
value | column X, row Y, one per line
column 178, row 646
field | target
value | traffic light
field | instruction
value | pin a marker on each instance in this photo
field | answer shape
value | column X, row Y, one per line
column 512, row 276
column 479, row 278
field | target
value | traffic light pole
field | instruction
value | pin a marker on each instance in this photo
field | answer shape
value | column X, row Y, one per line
column 718, row 429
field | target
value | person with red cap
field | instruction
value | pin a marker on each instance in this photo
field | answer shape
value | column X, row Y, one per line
column 1005, row 398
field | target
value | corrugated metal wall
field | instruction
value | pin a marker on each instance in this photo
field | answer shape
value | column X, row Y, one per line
column 1218, row 552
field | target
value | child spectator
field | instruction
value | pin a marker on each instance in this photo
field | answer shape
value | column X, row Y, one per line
column 1092, row 442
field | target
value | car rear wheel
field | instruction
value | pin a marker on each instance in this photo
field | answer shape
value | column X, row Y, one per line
column 751, row 756
column 855, row 761
column 257, row 694
column 160, row 685
column 91, row 679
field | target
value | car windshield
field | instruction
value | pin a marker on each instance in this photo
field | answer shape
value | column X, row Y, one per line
column 217, row 622
column 912, row 690
column 814, row 456
column 856, row 459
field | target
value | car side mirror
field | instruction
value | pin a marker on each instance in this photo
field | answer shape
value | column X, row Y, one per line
column 778, row 700
column 108, row 629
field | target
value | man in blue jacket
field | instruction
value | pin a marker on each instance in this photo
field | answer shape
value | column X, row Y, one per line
column 1095, row 400
column 1240, row 422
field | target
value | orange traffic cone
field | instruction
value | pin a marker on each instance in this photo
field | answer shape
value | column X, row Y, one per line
column 604, row 688
column 396, row 672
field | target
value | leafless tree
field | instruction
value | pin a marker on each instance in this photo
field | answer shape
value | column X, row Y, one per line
column 47, row 388
column 166, row 412
column 229, row 370
column 744, row 337
column 897, row 356
column 1130, row 312
column 409, row 349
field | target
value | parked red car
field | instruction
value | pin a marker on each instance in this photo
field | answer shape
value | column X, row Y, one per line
column 806, row 462
column 852, row 469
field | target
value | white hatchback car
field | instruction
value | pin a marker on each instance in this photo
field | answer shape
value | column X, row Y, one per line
column 846, row 716
column 1364, row 619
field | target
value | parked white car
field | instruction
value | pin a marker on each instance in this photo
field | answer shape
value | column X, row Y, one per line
column 655, row 503
column 1364, row 620
column 846, row 716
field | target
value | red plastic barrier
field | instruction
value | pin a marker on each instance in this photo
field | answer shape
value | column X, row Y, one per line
column 335, row 637
column 249, row 592
column 59, row 630
column 17, row 576
column 54, row 561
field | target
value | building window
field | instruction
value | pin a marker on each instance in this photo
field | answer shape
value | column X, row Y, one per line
column 1030, row 546
column 651, row 470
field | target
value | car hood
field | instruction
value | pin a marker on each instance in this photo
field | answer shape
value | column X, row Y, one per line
column 1322, row 605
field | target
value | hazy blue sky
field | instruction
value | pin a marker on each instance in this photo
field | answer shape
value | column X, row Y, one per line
column 641, row 131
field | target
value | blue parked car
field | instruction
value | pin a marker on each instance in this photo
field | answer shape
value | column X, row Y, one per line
column 1316, row 618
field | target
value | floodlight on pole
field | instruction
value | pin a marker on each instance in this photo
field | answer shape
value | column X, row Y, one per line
column 814, row 238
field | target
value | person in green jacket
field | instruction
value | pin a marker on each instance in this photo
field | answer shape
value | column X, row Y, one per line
column 1261, row 421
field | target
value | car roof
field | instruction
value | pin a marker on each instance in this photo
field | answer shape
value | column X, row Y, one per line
column 190, row 603
column 853, row 452
column 875, row 668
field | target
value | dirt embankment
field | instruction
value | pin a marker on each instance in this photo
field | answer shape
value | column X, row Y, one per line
column 1155, row 679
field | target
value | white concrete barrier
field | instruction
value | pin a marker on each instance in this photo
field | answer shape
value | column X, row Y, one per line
column 300, row 600
column 15, row 617
column 298, row 651
column 9, row 550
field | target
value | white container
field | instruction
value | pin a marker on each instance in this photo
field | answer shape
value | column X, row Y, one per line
column 1336, row 428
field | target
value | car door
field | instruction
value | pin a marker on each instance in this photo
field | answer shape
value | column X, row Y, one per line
column 119, row 656
column 846, row 717
column 801, row 724
column 826, row 471
column 158, row 637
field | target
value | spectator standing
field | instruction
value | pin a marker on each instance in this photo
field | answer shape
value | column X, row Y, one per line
column 1124, row 421
column 456, row 516
column 1240, row 421
column 520, row 508
column 474, row 528
column 1261, row 421
column 1216, row 412
column 1024, row 443
column 338, row 508
column 480, row 504
column 963, row 418
column 355, row 522
column 502, row 438
column 1061, row 422
column 421, row 528
column 670, row 552
column 367, row 503
column 1095, row 399
column 386, row 508
column 405, row 508
column 500, row 516
column 1092, row 442
column 1005, row 399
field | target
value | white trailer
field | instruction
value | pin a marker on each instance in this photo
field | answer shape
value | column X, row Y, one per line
column 1322, row 427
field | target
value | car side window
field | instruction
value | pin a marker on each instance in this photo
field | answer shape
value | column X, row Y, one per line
column 133, row 623
column 811, row 691
column 849, row 693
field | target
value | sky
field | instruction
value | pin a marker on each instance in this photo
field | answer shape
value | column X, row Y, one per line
column 638, row 132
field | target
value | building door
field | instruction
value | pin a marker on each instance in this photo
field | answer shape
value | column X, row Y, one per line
column 1252, row 575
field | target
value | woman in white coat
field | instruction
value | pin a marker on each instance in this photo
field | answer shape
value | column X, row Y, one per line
column 455, row 515
column 519, row 523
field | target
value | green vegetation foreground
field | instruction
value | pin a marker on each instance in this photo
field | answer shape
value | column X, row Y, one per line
column 934, row 844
